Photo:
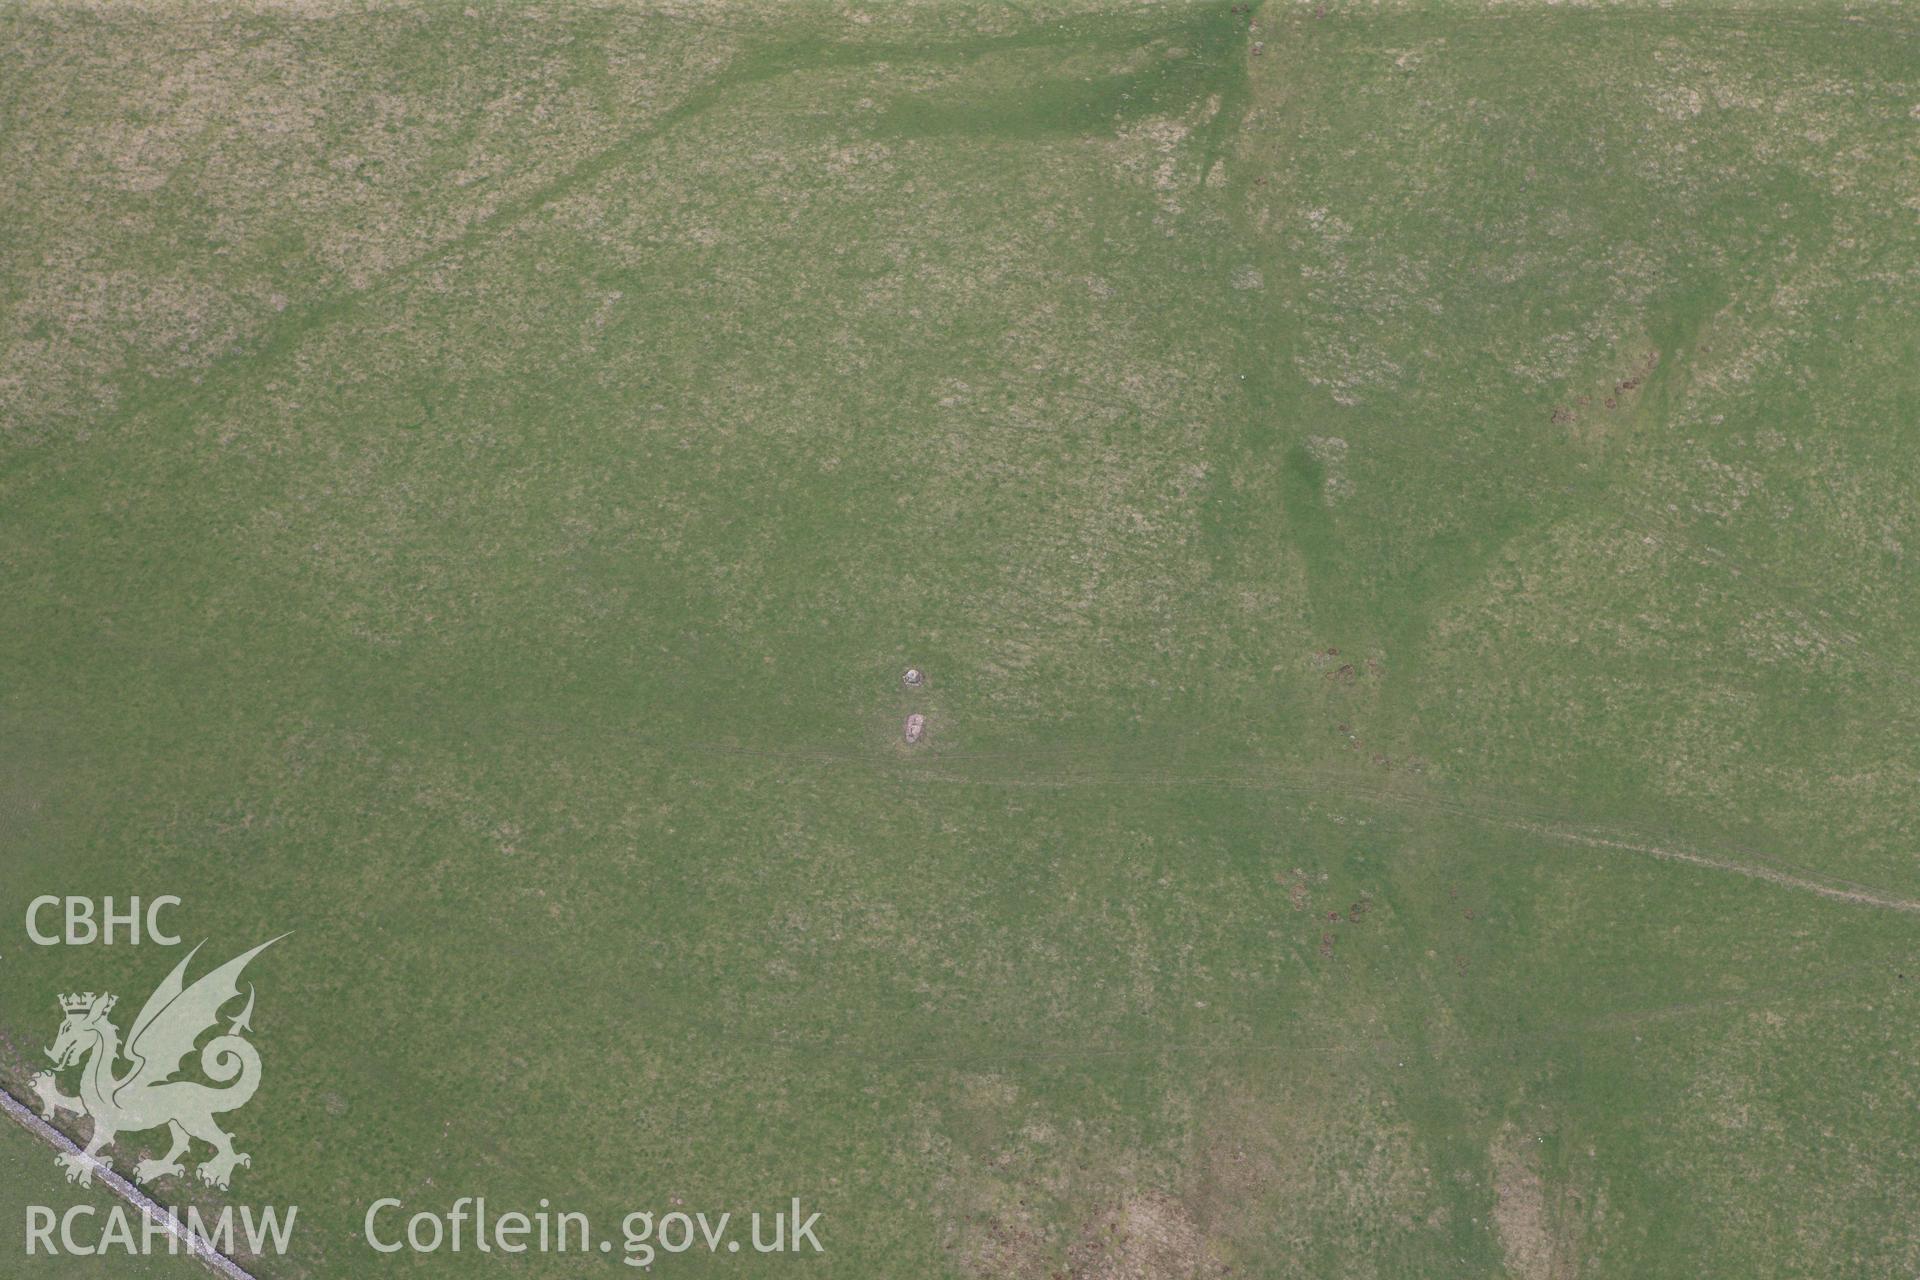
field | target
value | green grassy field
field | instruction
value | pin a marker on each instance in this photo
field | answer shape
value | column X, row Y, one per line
column 1403, row 510
column 28, row 1177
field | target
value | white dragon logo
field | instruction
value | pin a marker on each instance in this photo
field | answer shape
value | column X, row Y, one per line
column 147, row 1096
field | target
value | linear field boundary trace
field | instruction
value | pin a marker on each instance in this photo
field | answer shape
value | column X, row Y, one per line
column 215, row 1261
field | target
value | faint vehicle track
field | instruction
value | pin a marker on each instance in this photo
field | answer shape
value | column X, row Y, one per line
column 1515, row 819
column 954, row 769
column 1542, row 823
